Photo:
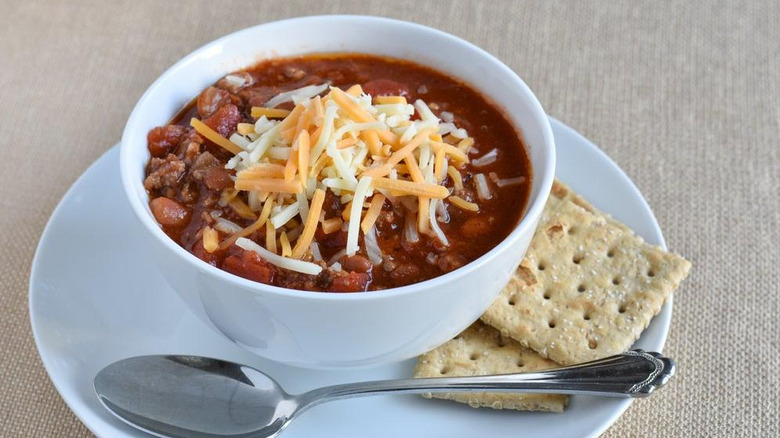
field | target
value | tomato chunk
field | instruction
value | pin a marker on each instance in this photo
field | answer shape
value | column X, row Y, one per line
column 164, row 139
column 224, row 120
column 251, row 266
column 210, row 100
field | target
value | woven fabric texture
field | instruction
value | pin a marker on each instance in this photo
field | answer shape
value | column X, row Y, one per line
column 683, row 96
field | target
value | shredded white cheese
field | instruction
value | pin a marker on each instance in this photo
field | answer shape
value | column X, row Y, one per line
column 282, row 262
column 483, row 191
column 299, row 94
column 284, row 215
column 348, row 144
column 361, row 191
column 506, row 182
column 372, row 247
column 488, row 158
column 235, row 81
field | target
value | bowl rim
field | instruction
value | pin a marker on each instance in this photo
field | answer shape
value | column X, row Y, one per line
column 533, row 208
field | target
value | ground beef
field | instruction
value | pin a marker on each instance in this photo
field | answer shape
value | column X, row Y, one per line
column 210, row 170
column 164, row 172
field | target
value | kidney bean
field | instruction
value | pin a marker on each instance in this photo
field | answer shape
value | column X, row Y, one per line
column 356, row 263
column 404, row 274
column 475, row 226
column 169, row 213
column 450, row 261
column 350, row 282
column 210, row 100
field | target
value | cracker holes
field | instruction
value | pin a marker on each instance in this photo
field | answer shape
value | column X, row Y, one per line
column 511, row 301
column 616, row 281
column 593, row 344
column 581, row 288
column 577, row 259
column 520, row 364
column 444, row 371
column 473, row 356
column 541, row 266
column 586, row 316
column 546, row 295
column 622, row 308
column 572, row 231
column 551, row 324
column 611, row 253
column 651, row 273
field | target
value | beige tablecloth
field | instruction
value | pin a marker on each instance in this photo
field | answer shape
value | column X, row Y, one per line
column 683, row 97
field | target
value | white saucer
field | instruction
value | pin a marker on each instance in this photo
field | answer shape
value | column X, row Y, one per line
column 94, row 299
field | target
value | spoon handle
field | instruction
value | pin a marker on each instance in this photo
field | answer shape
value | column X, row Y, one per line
column 635, row 373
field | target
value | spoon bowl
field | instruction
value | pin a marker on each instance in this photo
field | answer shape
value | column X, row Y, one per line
column 192, row 396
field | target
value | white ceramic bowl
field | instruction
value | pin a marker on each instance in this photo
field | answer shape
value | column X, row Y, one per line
column 335, row 329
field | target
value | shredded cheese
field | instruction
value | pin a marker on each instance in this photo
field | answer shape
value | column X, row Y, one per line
column 333, row 224
column 486, row 159
column 311, row 224
column 242, row 209
column 270, row 238
column 271, row 113
column 282, row 262
column 385, row 100
column 210, row 239
column 483, row 191
column 284, row 215
column 284, row 242
column 263, row 170
column 214, row 136
column 434, row 225
column 506, row 182
column 366, row 151
column 266, row 212
column 410, row 188
column 269, row 185
column 372, row 214
column 356, row 206
column 298, row 94
column 245, row 128
column 463, row 204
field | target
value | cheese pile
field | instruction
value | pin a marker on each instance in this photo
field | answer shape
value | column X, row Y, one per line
column 365, row 150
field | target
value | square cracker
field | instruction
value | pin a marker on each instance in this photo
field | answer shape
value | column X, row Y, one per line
column 587, row 287
column 481, row 350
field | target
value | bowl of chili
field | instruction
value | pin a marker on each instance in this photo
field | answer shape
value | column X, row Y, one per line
column 338, row 191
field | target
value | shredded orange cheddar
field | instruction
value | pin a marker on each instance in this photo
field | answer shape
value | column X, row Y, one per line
column 305, row 239
column 331, row 225
column 410, row 188
column 269, row 185
column 214, row 136
column 271, row 113
column 210, row 239
column 372, row 214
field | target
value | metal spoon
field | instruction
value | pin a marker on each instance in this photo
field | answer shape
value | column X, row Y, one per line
column 190, row 396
